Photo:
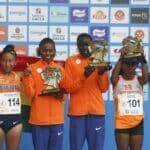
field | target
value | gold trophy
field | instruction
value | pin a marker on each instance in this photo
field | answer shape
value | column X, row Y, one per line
column 51, row 77
column 133, row 47
column 99, row 50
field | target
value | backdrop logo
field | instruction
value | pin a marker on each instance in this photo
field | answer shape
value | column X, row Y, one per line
column 59, row 33
column 17, row 14
column 61, row 52
column 100, row 1
column 119, row 15
column 17, row 30
column 99, row 33
column 17, row 33
column 59, row 14
column 58, row 1
column 118, row 33
column 3, row 31
column 76, row 30
column 38, row 1
column 119, row 1
column 142, row 2
column 79, row 1
column 141, row 33
column 79, row 14
column 36, row 33
column 99, row 15
column 38, row 14
column 20, row 1
column 2, row 13
column 139, row 15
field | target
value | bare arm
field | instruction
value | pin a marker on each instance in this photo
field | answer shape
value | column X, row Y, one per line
column 28, row 83
column 149, row 78
column 116, row 72
column 117, row 68
column 144, row 78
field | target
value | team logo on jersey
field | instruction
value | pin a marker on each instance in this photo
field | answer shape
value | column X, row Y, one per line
column 39, row 70
column 78, row 61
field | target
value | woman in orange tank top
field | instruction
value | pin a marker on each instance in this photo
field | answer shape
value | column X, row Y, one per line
column 128, row 99
column 10, row 102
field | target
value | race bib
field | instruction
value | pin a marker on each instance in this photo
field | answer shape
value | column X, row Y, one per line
column 10, row 103
column 130, row 104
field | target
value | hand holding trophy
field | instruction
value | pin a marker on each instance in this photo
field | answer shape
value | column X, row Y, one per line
column 133, row 48
column 98, row 51
column 51, row 77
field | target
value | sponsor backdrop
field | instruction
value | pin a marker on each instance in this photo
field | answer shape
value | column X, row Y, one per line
column 25, row 22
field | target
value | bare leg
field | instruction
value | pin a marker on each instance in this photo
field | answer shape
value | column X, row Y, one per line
column 13, row 137
column 2, row 134
column 122, row 141
column 136, row 142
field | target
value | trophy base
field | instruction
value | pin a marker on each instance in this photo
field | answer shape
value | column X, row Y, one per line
column 139, row 58
column 106, row 66
column 97, row 65
column 94, row 65
column 133, row 55
column 50, row 91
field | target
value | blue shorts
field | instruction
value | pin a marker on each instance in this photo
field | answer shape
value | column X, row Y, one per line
column 48, row 137
column 7, row 122
column 88, row 127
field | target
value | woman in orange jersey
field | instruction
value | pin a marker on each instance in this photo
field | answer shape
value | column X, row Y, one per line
column 128, row 97
column 87, row 108
column 10, row 102
column 41, row 85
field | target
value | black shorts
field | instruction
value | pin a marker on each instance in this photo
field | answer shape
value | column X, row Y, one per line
column 9, row 121
column 137, row 130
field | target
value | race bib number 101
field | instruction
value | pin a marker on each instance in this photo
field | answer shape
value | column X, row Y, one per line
column 130, row 104
column 10, row 103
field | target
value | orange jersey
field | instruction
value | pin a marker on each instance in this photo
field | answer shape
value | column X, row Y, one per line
column 10, row 102
column 45, row 110
column 128, row 98
column 9, row 83
column 85, row 93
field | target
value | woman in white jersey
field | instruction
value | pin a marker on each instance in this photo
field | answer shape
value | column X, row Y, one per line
column 128, row 99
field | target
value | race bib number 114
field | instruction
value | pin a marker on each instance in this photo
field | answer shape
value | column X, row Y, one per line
column 10, row 103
